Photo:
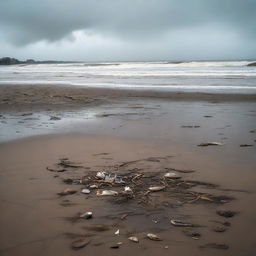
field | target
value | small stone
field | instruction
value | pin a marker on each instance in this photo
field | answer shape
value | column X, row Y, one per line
column 226, row 214
column 215, row 246
column 153, row 237
column 134, row 239
column 172, row 175
column 156, row 188
column 85, row 191
column 219, row 229
column 115, row 246
column 86, row 215
column 67, row 191
column 78, row 244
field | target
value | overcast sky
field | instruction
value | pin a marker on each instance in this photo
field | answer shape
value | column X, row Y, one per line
column 104, row 30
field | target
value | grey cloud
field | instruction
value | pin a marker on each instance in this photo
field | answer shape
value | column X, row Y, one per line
column 29, row 21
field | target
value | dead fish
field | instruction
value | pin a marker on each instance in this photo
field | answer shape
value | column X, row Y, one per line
column 67, row 191
column 226, row 214
column 86, row 215
column 85, row 191
column 215, row 246
column 107, row 193
column 172, row 175
column 156, row 188
column 78, row 244
column 210, row 144
column 153, row 237
column 178, row 223
column 134, row 239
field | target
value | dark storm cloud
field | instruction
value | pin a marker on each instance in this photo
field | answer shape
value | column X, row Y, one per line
column 28, row 21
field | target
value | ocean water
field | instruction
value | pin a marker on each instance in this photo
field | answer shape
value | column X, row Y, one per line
column 212, row 77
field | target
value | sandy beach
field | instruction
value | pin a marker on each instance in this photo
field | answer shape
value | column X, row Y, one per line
column 53, row 137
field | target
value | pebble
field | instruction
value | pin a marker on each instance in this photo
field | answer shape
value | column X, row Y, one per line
column 153, row 237
column 78, row 244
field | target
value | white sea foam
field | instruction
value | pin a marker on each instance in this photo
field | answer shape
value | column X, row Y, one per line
column 233, row 76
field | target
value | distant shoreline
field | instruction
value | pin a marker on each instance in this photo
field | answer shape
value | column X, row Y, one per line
column 14, row 61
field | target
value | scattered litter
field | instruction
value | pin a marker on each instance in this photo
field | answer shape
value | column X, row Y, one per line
column 107, row 193
column 134, row 239
column 178, row 223
column 86, row 215
column 226, row 214
column 78, row 244
column 101, row 175
column 127, row 189
column 172, row 175
column 156, row 188
column 110, row 178
column 246, row 145
column 85, row 191
column 166, row 247
column 67, row 191
column 117, row 232
column 215, row 246
column 210, row 144
column 119, row 180
column 153, row 237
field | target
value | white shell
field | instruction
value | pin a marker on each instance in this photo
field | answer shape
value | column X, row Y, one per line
column 172, row 175
column 101, row 175
column 134, row 239
column 127, row 189
column 85, row 191
column 107, row 193
column 117, row 232
column 156, row 188
column 153, row 237
column 93, row 186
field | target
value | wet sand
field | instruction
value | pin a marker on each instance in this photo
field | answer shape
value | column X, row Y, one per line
column 127, row 127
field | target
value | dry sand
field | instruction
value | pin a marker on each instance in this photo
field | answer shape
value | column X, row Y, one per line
column 128, row 126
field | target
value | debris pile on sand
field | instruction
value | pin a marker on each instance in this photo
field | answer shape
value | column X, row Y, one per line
column 121, row 184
